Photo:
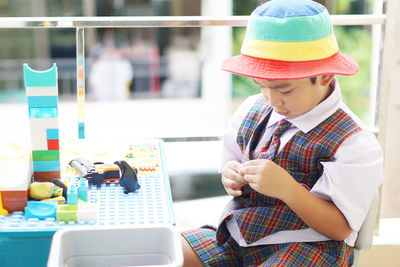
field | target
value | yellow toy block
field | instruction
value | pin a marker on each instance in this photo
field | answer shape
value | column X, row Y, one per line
column 2, row 210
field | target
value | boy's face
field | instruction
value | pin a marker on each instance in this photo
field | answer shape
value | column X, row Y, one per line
column 292, row 98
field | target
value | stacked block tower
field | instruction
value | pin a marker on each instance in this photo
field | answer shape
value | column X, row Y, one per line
column 42, row 95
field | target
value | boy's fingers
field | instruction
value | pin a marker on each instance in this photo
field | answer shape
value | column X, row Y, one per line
column 235, row 165
column 233, row 175
column 233, row 183
column 234, row 193
column 250, row 178
column 249, row 170
column 254, row 162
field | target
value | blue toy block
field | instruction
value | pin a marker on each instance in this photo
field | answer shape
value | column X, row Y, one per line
column 52, row 134
column 83, row 188
column 42, row 101
column 43, row 112
column 34, row 78
column 72, row 195
column 46, row 166
column 81, row 130
column 41, row 209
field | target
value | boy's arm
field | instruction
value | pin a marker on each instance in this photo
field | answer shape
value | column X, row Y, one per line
column 323, row 216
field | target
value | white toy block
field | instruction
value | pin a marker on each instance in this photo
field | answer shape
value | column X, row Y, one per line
column 16, row 168
column 38, row 135
column 87, row 212
column 39, row 131
column 42, row 91
column 45, row 123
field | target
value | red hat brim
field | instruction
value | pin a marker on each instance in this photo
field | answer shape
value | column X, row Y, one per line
column 286, row 70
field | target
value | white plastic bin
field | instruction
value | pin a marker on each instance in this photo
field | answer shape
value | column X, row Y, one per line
column 151, row 245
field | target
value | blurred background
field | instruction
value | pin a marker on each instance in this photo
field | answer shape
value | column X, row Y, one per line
column 156, row 82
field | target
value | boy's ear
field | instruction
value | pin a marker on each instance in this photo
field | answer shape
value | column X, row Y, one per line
column 325, row 80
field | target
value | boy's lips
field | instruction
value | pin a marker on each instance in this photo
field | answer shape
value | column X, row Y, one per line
column 282, row 112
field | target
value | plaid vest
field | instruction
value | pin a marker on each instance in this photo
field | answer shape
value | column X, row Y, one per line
column 258, row 215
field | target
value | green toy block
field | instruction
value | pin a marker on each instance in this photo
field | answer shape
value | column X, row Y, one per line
column 45, row 155
column 67, row 213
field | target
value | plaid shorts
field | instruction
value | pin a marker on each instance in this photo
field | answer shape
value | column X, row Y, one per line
column 230, row 254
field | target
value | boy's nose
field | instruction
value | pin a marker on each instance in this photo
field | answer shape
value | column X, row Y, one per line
column 274, row 99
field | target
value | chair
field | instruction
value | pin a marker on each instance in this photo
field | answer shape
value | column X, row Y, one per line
column 366, row 233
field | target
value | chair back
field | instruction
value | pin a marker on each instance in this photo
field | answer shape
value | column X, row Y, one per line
column 366, row 233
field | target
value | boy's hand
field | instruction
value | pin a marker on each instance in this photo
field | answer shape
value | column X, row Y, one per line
column 267, row 178
column 231, row 179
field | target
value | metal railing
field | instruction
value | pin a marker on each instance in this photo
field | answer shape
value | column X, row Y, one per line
column 80, row 23
column 161, row 21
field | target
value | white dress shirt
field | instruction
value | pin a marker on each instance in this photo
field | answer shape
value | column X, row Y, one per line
column 349, row 180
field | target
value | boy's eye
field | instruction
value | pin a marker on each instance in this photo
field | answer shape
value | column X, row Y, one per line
column 285, row 92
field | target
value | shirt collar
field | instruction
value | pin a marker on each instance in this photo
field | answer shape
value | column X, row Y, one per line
column 315, row 116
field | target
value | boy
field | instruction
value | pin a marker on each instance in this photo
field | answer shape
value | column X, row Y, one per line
column 302, row 169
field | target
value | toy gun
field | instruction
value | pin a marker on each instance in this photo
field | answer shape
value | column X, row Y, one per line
column 98, row 173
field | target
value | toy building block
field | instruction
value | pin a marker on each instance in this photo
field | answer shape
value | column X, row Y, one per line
column 60, row 200
column 16, row 173
column 72, row 195
column 41, row 209
column 14, row 200
column 41, row 190
column 42, row 97
column 2, row 210
column 128, row 180
column 87, row 212
column 83, row 188
column 67, row 213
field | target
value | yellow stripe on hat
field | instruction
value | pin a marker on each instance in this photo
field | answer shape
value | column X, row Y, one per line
column 290, row 51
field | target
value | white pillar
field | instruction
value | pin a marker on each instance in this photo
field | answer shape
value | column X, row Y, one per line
column 216, row 46
column 389, row 127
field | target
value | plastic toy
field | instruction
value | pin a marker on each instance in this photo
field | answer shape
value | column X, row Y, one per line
column 128, row 178
column 41, row 190
column 83, row 188
column 87, row 212
column 60, row 200
column 2, row 210
column 60, row 185
column 41, row 209
column 95, row 173
column 72, row 195
column 42, row 95
column 16, row 173
column 67, row 213
column 151, row 204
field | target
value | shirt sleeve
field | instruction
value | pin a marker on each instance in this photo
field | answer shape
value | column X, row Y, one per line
column 230, row 149
column 352, row 178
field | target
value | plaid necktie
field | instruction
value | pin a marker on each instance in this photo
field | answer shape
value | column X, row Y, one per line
column 270, row 150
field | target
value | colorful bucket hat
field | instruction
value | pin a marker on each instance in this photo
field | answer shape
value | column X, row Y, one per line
column 290, row 39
